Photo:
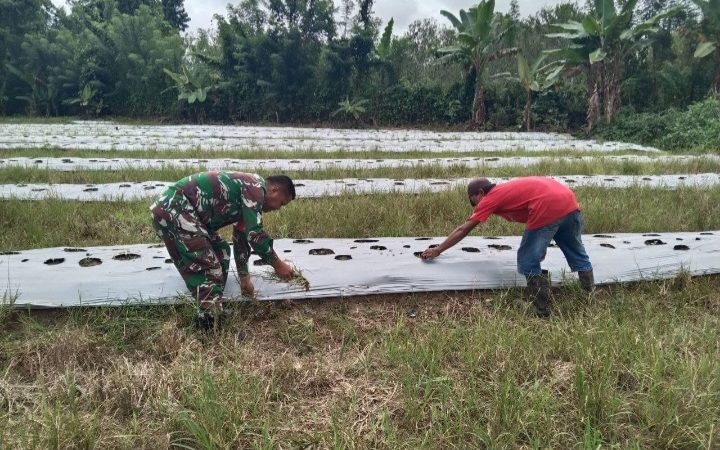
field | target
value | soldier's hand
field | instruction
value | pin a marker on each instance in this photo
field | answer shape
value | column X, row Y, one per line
column 246, row 287
column 430, row 253
column 283, row 269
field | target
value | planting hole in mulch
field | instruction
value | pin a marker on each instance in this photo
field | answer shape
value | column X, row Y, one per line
column 470, row 249
column 168, row 261
column 321, row 251
column 378, row 247
column 422, row 239
column 74, row 250
column 681, row 247
column 654, row 242
column 491, row 237
column 92, row 189
column 54, row 261
column 606, row 236
column 9, row 253
column 607, row 245
column 366, row 240
column 651, row 234
column 126, row 256
column 89, row 262
column 153, row 268
column 302, row 241
column 500, row 246
column 343, row 257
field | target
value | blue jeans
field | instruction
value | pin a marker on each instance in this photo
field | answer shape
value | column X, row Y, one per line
column 567, row 233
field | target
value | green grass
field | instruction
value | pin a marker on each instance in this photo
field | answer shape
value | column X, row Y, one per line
column 603, row 167
column 50, row 223
column 635, row 368
column 256, row 153
column 42, row 120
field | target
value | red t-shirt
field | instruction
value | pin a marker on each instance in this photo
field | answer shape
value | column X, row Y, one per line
column 535, row 201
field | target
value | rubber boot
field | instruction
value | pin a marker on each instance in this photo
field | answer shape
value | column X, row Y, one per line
column 538, row 288
column 205, row 320
column 211, row 314
column 587, row 280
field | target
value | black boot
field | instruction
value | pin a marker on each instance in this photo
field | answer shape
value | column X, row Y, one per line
column 538, row 288
column 205, row 320
column 208, row 320
column 587, row 280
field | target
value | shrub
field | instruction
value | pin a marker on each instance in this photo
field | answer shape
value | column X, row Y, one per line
column 697, row 128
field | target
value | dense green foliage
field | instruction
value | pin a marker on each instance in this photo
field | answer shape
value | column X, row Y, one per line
column 301, row 61
column 698, row 128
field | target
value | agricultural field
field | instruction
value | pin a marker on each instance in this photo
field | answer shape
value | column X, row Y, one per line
column 382, row 350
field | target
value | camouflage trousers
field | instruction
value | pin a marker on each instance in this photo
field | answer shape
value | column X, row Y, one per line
column 202, row 257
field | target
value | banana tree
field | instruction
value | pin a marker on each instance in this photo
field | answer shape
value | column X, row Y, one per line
column 42, row 95
column 710, row 37
column 354, row 108
column 479, row 35
column 536, row 78
column 89, row 98
column 381, row 55
column 600, row 44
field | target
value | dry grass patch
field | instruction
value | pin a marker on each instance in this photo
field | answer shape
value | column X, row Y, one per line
column 636, row 366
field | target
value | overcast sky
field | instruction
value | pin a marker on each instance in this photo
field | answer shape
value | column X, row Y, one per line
column 404, row 11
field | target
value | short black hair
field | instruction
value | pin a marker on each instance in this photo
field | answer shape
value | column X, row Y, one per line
column 283, row 181
column 479, row 185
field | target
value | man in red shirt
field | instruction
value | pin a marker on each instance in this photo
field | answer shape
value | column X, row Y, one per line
column 549, row 210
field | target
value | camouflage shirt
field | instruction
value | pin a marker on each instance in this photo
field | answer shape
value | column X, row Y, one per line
column 223, row 198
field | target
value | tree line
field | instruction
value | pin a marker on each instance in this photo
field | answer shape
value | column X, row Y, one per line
column 567, row 67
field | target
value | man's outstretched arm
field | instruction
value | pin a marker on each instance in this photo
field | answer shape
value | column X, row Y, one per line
column 453, row 238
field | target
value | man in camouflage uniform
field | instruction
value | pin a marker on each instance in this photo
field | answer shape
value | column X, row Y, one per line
column 189, row 214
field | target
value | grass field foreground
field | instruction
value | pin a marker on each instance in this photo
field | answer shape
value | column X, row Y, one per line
column 636, row 366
